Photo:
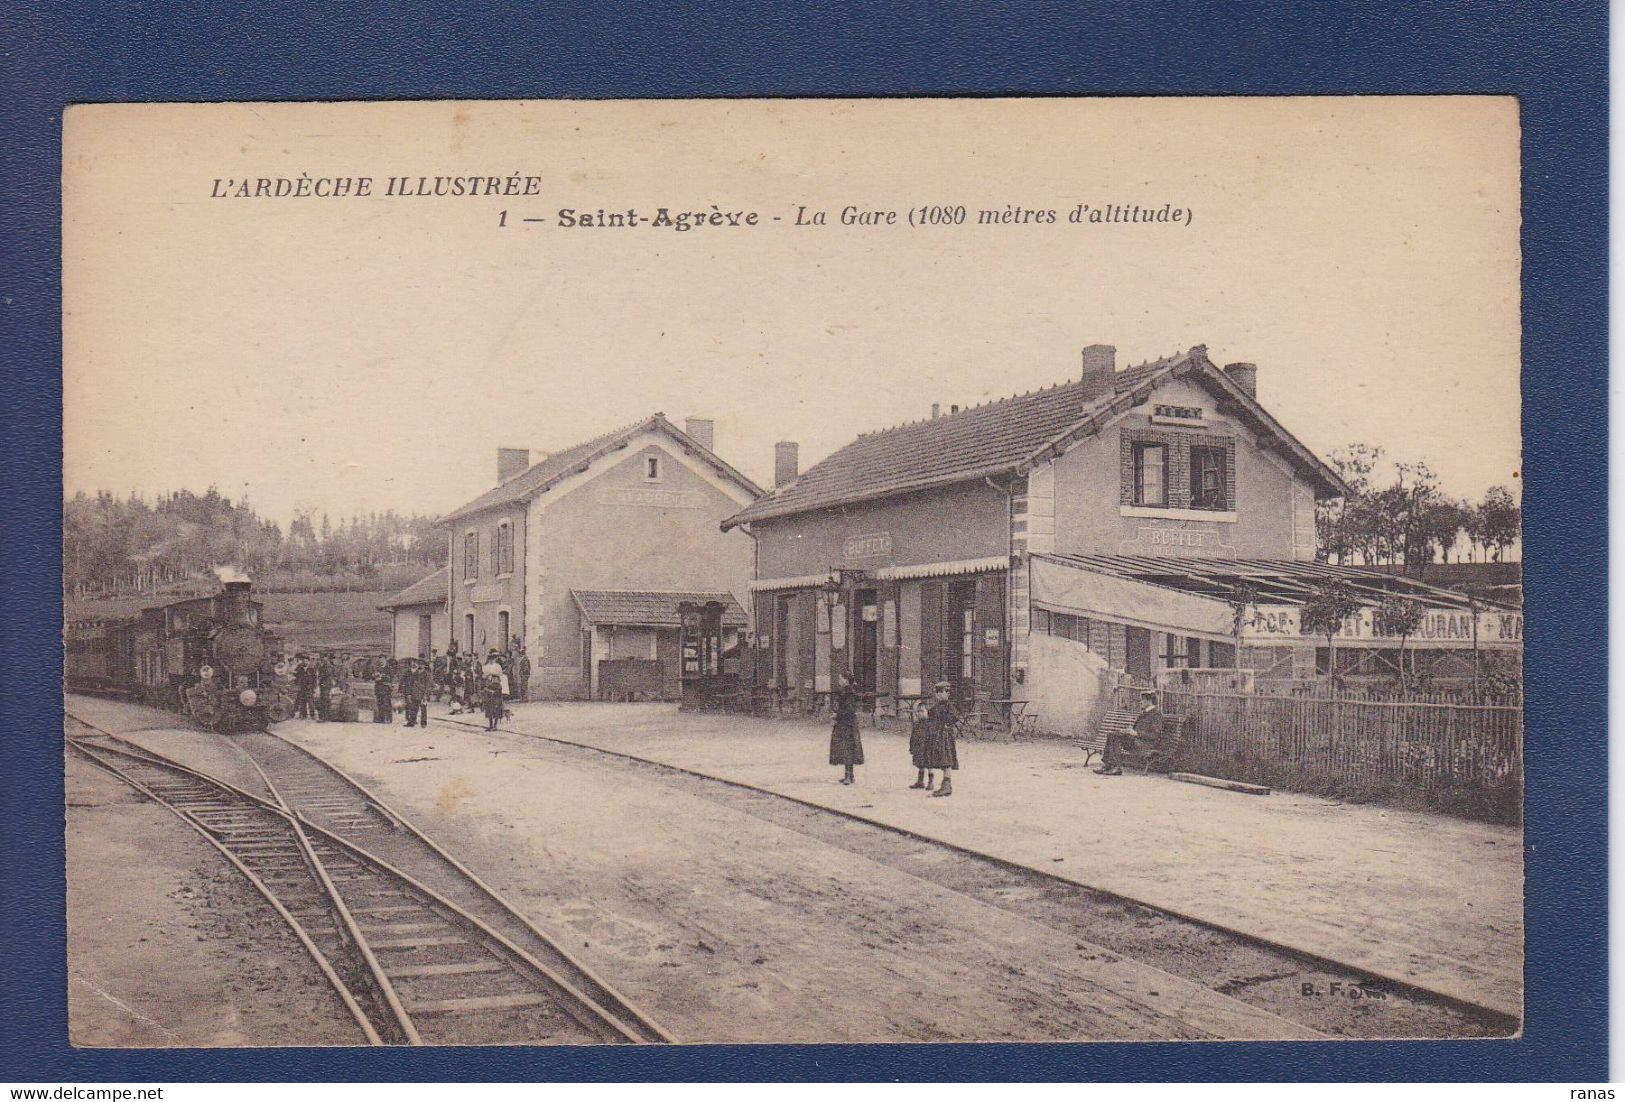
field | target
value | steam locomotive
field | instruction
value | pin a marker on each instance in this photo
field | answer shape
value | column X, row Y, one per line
column 207, row 657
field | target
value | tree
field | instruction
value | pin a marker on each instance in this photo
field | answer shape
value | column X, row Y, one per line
column 1500, row 520
column 1400, row 616
column 1340, row 523
column 1329, row 604
column 1442, row 526
column 1241, row 601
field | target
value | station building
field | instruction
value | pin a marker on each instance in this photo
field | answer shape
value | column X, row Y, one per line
column 583, row 557
column 1050, row 546
column 418, row 622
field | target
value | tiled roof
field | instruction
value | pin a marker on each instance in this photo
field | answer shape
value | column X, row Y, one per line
column 425, row 591
column 648, row 607
column 995, row 438
column 543, row 474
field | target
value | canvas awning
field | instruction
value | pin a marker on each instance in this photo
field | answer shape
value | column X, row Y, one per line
column 1190, row 596
column 1064, row 587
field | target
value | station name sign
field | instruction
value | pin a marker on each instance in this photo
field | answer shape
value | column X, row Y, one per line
column 650, row 498
column 1448, row 627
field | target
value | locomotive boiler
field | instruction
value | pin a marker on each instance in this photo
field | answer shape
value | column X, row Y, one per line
column 210, row 658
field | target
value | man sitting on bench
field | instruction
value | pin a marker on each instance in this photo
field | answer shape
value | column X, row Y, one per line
column 1147, row 733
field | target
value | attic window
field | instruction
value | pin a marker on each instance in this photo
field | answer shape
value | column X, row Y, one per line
column 651, row 468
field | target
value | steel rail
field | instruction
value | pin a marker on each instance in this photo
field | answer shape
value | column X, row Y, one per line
column 598, row 1016
column 654, row 1030
column 322, row 963
column 352, row 928
column 1411, row 988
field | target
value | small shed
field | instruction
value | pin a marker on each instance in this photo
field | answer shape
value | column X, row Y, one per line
column 631, row 639
column 418, row 621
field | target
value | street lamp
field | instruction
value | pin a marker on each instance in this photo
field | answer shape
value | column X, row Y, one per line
column 832, row 601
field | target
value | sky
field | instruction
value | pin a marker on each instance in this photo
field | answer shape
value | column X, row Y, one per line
column 360, row 354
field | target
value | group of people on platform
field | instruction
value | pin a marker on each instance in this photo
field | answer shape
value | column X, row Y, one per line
column 414, row 677
column 932, row 740
column 473, row 685
column 933, row 737
column 316, row 680
column 470, row 684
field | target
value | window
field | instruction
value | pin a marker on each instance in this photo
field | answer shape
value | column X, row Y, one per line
column 471, row 555
column 468, row 633
column 651, row 468
column 1151, row 474
column 1209, row 479
column 502, row 629
column 502, row 549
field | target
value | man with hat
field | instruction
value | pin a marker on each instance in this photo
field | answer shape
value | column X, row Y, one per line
column 940, row 750
column 1147, row 732
column 417, row 701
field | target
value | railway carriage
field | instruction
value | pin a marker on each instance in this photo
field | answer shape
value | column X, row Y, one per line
column 207, row 657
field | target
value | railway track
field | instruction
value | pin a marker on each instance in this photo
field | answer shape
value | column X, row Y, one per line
column 1330, row 996
column 412, row 962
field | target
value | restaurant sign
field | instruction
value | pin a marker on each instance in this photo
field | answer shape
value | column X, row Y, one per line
column 876, row 545
column 1444, row 627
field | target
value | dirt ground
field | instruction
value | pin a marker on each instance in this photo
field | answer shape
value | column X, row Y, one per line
column 1420, row 897
column 168, row 945
column 726, row 927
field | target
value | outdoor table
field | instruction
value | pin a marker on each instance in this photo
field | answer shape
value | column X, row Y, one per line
column 1015, row 711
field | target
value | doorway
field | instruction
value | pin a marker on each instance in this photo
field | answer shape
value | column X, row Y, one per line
column 865, row 639
column 959, row 639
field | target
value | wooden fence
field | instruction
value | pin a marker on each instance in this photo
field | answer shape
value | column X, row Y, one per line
column 1466, row 759
column 1320, row 688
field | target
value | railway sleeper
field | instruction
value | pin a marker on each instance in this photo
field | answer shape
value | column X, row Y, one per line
column 480, row 1003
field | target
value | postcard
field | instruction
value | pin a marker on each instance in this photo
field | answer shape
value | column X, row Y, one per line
column 742, row 571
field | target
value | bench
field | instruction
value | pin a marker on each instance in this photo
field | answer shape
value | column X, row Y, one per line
column 1157, row 757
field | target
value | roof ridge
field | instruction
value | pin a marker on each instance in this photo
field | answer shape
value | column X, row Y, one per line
column 967, row 409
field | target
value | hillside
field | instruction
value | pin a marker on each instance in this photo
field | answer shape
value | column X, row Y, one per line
column 351, row 620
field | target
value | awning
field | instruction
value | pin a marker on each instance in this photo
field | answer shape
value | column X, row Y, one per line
column 1063, row 587
column 889, row 573
column 944, row 569
column 646, row 608
column 803, row 581
column 1192, row 597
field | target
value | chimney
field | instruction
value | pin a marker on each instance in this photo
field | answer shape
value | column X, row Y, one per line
column 703, row 430
column 936, row 410
column 786, row 462
column 1245, row 376
column 1099, row 364
column 510, row 462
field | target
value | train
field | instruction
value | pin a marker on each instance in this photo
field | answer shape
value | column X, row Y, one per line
column 210, row 658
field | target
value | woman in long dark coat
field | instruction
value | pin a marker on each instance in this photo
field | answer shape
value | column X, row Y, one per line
column 941, row 751
column 845, row 746
column 916, row 743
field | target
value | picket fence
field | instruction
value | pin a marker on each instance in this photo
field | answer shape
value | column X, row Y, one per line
column 1466, row 759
